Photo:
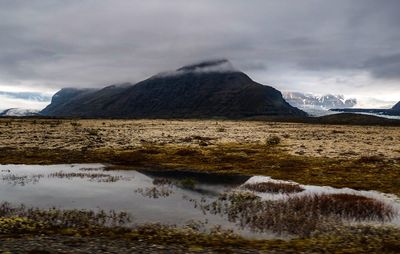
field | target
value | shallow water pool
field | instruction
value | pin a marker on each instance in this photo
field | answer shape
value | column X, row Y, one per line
column 149, row 196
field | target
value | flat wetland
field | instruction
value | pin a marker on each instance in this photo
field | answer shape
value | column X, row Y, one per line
column 200, row 185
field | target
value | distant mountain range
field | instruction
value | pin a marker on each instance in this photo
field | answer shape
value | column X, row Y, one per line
column 19, row 112
column 203, row 90
column 317, row 105
column 326, row 102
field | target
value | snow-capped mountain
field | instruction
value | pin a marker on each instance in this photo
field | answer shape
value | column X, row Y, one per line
column 19, row 112
column 328, row 101
column 318, row 105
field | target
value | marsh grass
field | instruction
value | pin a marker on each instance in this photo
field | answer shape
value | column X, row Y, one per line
column 298, row 215
column 184, row 183
column 350, row 206
column 163, row 187
column 155, row 192
column 348, row 239
column 274, row 187
column 96, row 177
column 162, row 181
column 55, row 218
column 187, row 183
column 15, row 180
column 90, row 169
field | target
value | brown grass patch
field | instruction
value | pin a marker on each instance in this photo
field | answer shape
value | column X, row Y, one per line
column 302, row 215
column 347, row 206
column 186, row 152
column 272, row 187
column 372, row 159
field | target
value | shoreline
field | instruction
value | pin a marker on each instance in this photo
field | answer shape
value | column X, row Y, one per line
column 364, row 173
column 339, row 156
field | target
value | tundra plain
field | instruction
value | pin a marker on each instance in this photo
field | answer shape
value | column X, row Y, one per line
column 341, row 156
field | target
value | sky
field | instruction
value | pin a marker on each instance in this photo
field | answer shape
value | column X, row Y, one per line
column 349, row 47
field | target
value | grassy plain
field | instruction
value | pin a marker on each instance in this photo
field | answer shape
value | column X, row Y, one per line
column 359, row 157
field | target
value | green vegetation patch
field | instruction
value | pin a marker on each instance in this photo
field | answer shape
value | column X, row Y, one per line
column 366, row 173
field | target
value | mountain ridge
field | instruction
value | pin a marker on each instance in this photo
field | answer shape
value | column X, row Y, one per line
column 397, row 106
column 203, row 90
column 326, row 102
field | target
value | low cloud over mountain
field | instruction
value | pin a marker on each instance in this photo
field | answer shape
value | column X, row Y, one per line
column 25, row 100
column 312, row 46
column 207, row 89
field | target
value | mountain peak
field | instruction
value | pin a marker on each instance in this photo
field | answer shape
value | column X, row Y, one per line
column 202, row 90
column 323, row 102
column 397, row 106
column 209, row 66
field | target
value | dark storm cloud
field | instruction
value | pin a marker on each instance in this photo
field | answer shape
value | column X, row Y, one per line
column 98, row 42
column 385, row 66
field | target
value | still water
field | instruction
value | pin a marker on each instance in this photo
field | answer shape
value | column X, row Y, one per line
column 92, row 186
column 149, row 196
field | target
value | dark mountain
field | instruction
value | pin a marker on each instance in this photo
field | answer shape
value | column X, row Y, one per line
column 397, row 106
column 69, row 98
column 208, row 89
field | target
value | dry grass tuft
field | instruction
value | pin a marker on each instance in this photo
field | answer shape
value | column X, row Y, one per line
column 273, row 140
column 186, row 152
column 299, row 215
column 272, row 187
column 372, row 159
column 54, row 218
column 347, row 206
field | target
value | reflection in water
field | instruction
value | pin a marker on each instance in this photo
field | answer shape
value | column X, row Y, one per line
column 98, row 177
column 148, row 197
column 13, row 179
column 199, row 200
column 155, row 192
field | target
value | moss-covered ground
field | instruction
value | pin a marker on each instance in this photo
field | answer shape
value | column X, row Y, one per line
column 364, row 173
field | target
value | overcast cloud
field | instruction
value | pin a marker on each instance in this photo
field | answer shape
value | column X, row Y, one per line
column 349, row 47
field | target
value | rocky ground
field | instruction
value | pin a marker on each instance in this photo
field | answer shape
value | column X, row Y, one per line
column 334, row 141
